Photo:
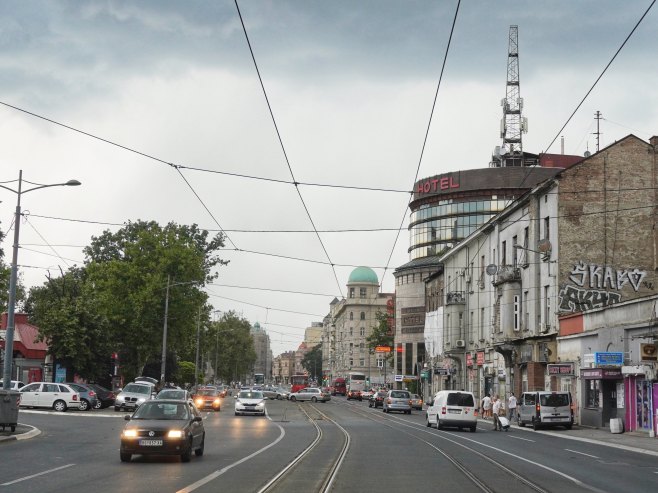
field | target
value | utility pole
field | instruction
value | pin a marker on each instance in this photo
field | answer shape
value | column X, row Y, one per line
column 164, row 336
column 196, row 361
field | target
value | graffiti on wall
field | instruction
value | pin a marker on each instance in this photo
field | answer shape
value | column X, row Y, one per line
column 592, row 285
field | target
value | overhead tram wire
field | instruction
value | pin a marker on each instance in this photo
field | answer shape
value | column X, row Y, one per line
column 600, row 76
column 427, row 131
column 285, row 155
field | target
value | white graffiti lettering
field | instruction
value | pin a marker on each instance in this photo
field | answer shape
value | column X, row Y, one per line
column 599, row 277
column 573, row 299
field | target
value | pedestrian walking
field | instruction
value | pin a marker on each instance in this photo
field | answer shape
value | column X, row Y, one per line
column 511, row 406
column 496, row 410
column 486, row 406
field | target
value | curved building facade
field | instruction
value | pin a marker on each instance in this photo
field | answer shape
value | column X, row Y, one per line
column 447, row 208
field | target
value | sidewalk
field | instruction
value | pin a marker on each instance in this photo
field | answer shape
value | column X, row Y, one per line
column 22, row 432
column 629, row 440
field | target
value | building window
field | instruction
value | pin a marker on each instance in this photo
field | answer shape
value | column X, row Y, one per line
column 592, row 388
column 526, row 315
column 362, row 362
column 362, row 292
column 547, row 307
column 351, row 292
column 362, row 331
column 362, row 347
column 547, row 227
column 517, row 312
column 481, row 334
column 515, row 257
column 351, row 363
column 363, row 315
column 503, row 253
column 351, row 329
column 351, row 315
column 526, row 237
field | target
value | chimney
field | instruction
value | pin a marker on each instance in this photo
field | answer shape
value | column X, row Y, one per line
column 654, row 140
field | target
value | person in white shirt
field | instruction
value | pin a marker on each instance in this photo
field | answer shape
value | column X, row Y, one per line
column 496, row 409
column 511, row 406
column 486, row 406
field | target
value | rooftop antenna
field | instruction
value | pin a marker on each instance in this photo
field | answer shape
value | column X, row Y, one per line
column 597, row 117
column 513, row 124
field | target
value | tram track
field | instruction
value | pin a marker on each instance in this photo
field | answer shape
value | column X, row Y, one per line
column 310, row 470
column 482, row 482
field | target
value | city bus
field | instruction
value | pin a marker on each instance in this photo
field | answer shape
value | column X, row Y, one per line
column 356, row 381
column 298, row 382
column 259, row 379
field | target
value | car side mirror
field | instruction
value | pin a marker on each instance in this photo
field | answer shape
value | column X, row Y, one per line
column 127, row 417
column 197, row 418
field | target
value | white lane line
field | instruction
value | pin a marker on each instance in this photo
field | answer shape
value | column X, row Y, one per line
column 524, row 439
column 219, row 472
column 35, row 475
column 582, row 453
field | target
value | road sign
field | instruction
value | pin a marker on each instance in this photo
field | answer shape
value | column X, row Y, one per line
column 398, row 378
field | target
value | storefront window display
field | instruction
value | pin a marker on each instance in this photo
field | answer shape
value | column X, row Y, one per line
column 592, row 391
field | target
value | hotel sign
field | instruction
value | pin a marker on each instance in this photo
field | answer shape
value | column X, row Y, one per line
column 609, row 359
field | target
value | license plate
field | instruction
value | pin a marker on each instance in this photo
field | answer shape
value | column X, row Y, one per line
column 454, row 411
column 150, row 443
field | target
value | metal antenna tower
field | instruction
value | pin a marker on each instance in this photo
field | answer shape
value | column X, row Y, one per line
column 512, row 125
column 597, row 117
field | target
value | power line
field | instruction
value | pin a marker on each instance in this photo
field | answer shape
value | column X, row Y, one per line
column 600, row 76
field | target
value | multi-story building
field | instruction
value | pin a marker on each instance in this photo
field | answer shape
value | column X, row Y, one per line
column 263, row 363
column 348, row 325
column 283, row 367
column 551, row 293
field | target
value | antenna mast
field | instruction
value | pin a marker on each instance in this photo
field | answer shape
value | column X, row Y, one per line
column 512, row 125
column 597, row 117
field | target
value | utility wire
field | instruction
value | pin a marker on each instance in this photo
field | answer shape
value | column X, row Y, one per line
column 427, row 131
column 599, row 77
column 283, row 149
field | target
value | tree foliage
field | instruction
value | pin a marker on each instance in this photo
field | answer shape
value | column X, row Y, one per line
column 232, row 346
column 131, row 269
column 66, row 311
column 380, row 335
column 312, row 361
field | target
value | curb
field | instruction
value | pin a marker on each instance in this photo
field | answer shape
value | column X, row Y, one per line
column 21, row 436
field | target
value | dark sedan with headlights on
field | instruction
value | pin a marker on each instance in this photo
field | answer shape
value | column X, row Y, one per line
column 163, row 427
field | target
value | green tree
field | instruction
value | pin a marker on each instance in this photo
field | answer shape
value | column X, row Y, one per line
column 66, row 311
column 232, row 347
column 312, row 361
column 185, row 374
column 381, row 336
column 130, row 270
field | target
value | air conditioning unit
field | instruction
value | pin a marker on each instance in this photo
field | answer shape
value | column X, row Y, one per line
column 460, row 343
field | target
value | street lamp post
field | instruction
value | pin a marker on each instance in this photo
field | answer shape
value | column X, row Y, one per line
column 9, row 336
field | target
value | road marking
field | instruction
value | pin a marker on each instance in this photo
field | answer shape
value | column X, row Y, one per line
column 219, row 472
column 37, row 474
column 524, row 439
column 581, row 453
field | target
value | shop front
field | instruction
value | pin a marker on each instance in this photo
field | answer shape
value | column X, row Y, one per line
column 641, row 400
column 603, row 396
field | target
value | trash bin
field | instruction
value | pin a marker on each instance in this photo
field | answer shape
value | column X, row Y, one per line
column 9, row 401
column 616, row 425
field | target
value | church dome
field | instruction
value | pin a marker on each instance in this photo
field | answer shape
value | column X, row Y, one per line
column 362, row 275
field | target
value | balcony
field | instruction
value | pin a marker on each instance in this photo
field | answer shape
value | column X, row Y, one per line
column 455, row 298
column 507, row 273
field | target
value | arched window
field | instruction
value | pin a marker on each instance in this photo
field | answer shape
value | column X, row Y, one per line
column 351, row 315
column 363, row 315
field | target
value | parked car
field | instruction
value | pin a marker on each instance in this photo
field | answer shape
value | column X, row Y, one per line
column 275, row 393
column 377, row 399
column 208, row 398
column 354, row 394
column 397, row 400
column 452, row 408
column 88, row 398
column 250, row 402
column 416, row 402
column 13, row 385
column 105, row 397
column 134, row 395
column 312, row 394
column 542, row 409
column 163, row 427
column 57, row 396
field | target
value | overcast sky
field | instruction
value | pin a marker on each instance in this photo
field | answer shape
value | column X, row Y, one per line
column 351, row 86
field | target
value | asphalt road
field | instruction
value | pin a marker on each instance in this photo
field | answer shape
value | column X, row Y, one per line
column 382, row 452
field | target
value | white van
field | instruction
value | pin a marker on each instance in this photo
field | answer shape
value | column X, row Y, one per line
column 541, row 409
column 453, row 408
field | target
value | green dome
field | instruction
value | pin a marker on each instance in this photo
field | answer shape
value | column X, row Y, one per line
column 363, row 275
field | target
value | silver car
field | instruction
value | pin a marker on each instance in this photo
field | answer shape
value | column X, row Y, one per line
column 312, row 394
column 397, row 400
column 134, row 395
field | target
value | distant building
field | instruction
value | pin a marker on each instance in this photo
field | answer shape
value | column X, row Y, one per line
column 263, row 363
column 283, row 367
column 28, row 354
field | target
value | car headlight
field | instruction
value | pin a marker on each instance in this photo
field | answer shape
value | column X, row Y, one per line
column 216, row 401
column 141, row 400
column 175, row 434
column 260, row 405
column 130, row 433
column 199, row 402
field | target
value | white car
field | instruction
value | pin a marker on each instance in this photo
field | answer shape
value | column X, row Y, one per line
column 250, row 402
column 57, row 396
column 134, row 395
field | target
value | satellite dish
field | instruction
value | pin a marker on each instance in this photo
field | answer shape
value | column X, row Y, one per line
column 491, row 269
column 504, row 150
column 544, row 246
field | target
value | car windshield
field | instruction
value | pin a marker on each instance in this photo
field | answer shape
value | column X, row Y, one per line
column 162, row 410
column 400, row 395
column 251, row 395
column 459, row 399
column 137, row 389
column 555, row 400
column 171, row 394
column 210, row 392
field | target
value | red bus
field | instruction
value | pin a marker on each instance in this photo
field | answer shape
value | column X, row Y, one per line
column 298, row 382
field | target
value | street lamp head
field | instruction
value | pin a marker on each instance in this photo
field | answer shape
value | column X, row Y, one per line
column 72, row 183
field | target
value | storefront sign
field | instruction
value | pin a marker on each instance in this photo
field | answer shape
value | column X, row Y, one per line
column 469, row 359
column 601, row 374
column 440, row 371
column 398, row 378
column 479, row 358
column 648, row 352
column 561, row 369
column 608, row 359
column 383, row 349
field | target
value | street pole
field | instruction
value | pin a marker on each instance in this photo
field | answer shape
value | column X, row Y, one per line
column 164, row 337
column 9, row 335
column 196, row 361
